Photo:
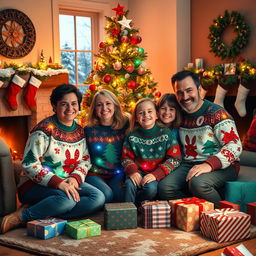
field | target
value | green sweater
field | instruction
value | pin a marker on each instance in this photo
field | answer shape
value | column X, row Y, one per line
column 154, row 150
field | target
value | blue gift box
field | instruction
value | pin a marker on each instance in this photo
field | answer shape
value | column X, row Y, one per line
column 240, row 192
column 46, row 228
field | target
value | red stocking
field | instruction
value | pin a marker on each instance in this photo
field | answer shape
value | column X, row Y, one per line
column 13, row 90
column 33, row 86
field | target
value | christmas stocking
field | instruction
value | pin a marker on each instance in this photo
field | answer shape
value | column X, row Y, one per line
column 220, row 95
column 33, row 85
column 241, row 99
column 13, row 90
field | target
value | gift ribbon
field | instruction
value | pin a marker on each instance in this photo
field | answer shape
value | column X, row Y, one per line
column 219, row 212
column 192, row 200
column 86, row 225
column 149, row 203
column 49, row 221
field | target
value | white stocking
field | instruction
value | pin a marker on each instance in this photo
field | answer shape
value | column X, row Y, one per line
column 241, row 99
column 220, row 96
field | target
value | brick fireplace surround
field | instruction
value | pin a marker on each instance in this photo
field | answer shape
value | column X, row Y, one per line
column 44, row 107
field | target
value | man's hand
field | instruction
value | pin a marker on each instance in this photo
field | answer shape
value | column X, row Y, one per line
column 197, row 170
column 148, row 178
column 136, row 179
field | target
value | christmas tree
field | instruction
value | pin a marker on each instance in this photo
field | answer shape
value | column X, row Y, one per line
column 120, row 65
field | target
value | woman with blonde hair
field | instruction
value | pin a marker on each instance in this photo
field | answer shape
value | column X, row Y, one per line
column 105, row 133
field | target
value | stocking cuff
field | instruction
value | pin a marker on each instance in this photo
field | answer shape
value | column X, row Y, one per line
column 18, row 81
column 34, row 81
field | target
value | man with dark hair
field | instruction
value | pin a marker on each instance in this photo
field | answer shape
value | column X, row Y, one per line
column 211, row 145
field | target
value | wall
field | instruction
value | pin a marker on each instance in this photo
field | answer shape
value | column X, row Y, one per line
column 204, row 12
column 161, row 30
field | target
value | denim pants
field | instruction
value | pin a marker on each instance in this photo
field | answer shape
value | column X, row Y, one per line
column 112, row 188
column 207, row 185
column 137, row 194
column 50, row 202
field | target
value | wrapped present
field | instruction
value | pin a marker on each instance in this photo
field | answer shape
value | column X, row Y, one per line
column 83, row 228
column 251, row 209
column 156, row 214
column 224, row 225
column 232, row 251
column 240, row 192
column 226, row 204
column 120, row 216
column 46, row 228
column 186, row 212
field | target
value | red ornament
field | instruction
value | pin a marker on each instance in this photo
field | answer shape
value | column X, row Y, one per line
column 119, row 10
column 114, row 31
column 124, row 39
column 92, row 87
column 129, row 68
column 107, row 79
column 141, row 70
column 133, row 39
column 139, row 39
column 132, row 85
column 101, row 44
column 157, row 94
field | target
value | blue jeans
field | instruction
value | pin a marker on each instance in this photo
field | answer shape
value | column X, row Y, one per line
column 137, row 194
column 207, row 185
column 50, row 202
column 112, row 188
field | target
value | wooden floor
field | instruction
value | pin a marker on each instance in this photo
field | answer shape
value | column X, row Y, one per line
column 249, row 244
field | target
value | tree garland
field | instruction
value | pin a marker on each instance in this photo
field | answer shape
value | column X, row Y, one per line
column 237, row 21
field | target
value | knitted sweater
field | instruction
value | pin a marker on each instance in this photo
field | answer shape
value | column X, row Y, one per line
column 154, row 150
column 210, row 135
column 105, row 146
column 249, row 142
column 54, row 152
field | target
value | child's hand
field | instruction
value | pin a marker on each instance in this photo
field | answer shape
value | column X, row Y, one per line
column 136, row 179
column 147, row 179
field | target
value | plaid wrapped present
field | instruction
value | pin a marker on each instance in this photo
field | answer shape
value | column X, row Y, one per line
column 83, row 228
column 46, row 228
column 120, row 216
column 251, row 209
column 186, row 212
column 223, row 225
column 156, row 214
column 226, row 204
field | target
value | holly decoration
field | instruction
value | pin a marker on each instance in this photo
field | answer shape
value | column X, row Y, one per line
column 241, row 28
column 120, row 65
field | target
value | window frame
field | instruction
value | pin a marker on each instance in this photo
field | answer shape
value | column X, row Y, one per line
column 94, row 34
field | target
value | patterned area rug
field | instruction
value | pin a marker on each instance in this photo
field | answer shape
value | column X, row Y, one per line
column 130, row 242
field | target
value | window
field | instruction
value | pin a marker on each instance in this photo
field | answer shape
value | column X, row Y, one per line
column 78, row 34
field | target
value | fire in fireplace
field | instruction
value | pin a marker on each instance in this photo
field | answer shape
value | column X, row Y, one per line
column 14, row 130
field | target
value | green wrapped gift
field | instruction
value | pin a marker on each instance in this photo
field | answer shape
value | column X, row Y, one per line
column 240, row 192
column 120, row 216
column 83, row 228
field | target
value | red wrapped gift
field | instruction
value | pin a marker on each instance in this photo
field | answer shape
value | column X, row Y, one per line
column 223, row 225
column 156, row 214
column 186, row 212
column 232, row 251
column 226, row 204
column 251, row 209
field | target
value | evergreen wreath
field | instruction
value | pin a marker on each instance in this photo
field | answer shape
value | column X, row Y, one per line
column 237, row 21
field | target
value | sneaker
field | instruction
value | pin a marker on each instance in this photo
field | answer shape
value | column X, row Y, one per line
column 12, row 220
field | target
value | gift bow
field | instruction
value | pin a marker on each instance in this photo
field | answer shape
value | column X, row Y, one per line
column 86, row 225
column 49, row 221
column 148, row 203
column 226, row 212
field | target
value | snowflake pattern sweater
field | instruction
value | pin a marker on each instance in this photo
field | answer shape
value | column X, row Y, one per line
column 105, row 146
column 210, row 135
column 54, row 152
column 154, row 150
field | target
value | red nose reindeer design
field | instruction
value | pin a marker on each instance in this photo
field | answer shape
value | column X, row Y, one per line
column 190, row 148
column 71, row 163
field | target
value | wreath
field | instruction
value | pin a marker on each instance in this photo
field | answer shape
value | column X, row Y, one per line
column 241, row 28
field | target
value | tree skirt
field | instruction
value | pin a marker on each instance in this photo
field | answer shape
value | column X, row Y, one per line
column 130, row 242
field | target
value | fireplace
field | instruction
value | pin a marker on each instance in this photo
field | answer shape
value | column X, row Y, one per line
column 15, row 125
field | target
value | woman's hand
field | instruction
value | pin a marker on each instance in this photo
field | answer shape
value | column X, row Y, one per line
column 69, row 187
column 136, row 179
column 147, row 179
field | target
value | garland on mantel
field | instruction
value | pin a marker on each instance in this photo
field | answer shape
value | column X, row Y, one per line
column 40, row 71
